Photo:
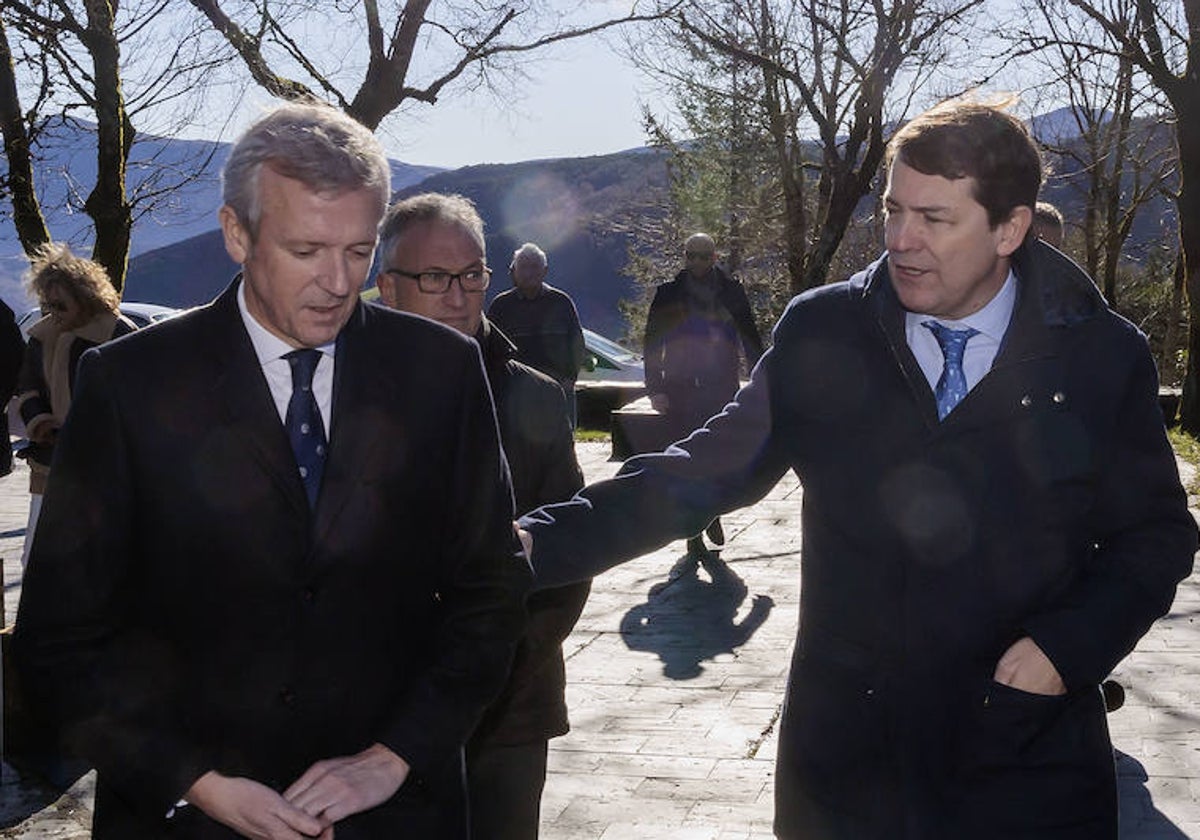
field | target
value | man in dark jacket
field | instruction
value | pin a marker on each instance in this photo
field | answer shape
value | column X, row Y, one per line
column 433, row 263
column 12, row 351
column 694, row 329
column 541, row 321
column 992, row 512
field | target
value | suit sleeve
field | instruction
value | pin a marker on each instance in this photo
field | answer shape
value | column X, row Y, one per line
column 653, row 344
column 578, row 349
column 482, row 595
column 743, row 318
column 1146, row 544
column 109, row 687
column 12, row 349
column 733, row 461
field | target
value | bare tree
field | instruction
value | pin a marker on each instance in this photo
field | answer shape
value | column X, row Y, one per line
column 835, row 71
column 411, row 56
column 1165, row 45
column 1113, row 153
column 75, row 57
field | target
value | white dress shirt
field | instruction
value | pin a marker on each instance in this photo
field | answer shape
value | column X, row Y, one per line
column 991, row 321
column 271, row 351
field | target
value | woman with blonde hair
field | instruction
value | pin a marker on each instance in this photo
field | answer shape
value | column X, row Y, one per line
column 80, row 311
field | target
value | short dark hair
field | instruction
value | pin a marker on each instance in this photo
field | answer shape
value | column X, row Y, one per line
column 962, row 139
column 449, row 208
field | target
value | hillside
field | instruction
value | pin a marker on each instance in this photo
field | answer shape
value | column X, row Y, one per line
column 184, row 208
column 565, row 205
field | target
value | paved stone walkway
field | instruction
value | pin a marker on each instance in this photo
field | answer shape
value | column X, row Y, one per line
column 676, row 683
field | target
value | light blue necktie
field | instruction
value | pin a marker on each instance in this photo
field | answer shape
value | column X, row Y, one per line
column 952, row 385
column 305, row 430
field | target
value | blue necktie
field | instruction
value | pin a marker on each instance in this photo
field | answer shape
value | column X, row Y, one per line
column 952, row 385
column 305, row 430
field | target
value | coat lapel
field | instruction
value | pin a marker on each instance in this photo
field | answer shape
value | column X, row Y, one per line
column 356, row 432
column 246, row 399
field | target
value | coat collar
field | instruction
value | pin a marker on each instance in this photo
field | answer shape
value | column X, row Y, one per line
column 1052, row 292
column 1053, row 296
column 248, row 406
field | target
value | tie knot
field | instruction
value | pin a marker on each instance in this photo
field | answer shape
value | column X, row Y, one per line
column 304, row 365
column 952, row 342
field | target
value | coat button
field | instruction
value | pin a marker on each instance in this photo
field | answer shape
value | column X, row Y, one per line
column 1059, row 397
column 1026, row 401
column 308, row 595
column 287, row 696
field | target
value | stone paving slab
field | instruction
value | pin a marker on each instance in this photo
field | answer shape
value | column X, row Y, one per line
column 677, row 681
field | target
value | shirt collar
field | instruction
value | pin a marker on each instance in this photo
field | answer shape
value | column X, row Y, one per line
column 992, row 320
column 267, row 346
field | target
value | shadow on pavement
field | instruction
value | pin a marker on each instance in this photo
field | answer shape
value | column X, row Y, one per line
column 691, row 617
column 1139, row 817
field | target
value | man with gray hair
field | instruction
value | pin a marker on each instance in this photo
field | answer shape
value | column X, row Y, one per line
column 541, row 320
column 276, row 583
column 433, row 263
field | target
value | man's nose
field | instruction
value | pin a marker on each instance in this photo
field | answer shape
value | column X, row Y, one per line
column 455, row 296
column 900, row 234
column 338, row 278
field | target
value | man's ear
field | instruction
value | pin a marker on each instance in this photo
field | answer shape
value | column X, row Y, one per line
column 1013, row 229
column 386, row 284
column 237, row 238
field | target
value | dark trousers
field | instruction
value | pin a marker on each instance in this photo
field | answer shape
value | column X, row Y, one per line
column 505, row 788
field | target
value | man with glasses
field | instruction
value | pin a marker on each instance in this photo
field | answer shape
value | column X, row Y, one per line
column 433, row 263
column 694, row 329
column 541, row 321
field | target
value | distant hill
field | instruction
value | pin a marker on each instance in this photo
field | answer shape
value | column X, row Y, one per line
column 66, row 173
column 567, row 206
column 574, row 208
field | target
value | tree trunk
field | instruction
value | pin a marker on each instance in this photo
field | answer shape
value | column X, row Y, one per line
column 27, row 212
column 107, row 205
column 1187, row 128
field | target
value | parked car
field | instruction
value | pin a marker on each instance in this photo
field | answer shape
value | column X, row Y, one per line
column 142, row 314
column 609, row 361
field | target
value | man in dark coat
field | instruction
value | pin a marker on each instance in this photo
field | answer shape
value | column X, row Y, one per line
column 988, row 529
column 12, row 351
column 236, row 616
column 433, row 264
column 695, row 327
column 541, row 321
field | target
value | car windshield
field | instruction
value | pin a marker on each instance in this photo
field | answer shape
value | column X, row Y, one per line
column 609, row 348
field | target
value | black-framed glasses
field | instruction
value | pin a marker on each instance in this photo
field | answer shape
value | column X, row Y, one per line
column 438, row 282
column 698, row 255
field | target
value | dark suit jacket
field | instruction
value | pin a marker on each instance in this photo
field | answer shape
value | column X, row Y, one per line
column 184, row 611
column 540, row 446
column 1047, row 504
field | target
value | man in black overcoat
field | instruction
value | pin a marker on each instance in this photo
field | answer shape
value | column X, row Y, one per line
column 433, row 263
column 992, row 513
column 229, row 608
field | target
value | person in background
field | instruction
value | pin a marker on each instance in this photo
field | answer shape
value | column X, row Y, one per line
column 992, row 514
column 12, row 351
column 1048, row 224
column 541, row 321
column 696, row 326
column 433, row 263
column 81, row 311
column 276, row 582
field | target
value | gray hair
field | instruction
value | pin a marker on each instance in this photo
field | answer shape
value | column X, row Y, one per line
column 531, row 252
column 315, row 144
column 449, row 208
